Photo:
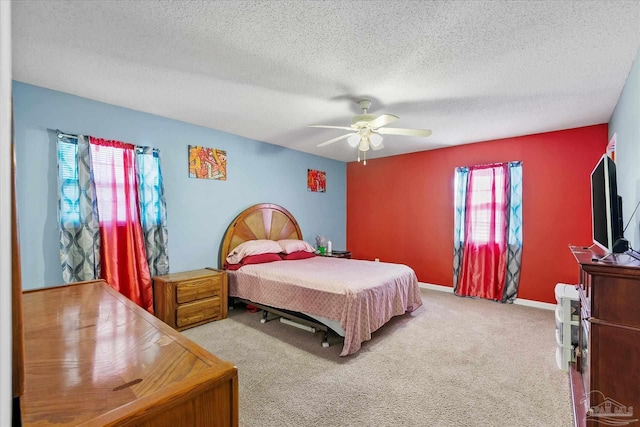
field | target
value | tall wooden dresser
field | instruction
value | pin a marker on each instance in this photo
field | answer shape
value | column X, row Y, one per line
column 94, row 358
column 605, row 380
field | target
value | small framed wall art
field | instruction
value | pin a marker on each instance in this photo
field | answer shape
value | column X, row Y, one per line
column 207, row 163
column 316, row 181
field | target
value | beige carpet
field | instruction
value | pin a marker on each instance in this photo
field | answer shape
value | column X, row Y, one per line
column 454, row 362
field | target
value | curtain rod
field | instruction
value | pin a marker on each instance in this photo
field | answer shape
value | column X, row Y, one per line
column 63, row 134
column 512, row 163
column 67, row 135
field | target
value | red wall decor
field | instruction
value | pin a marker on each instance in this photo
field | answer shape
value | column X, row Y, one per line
column 400, row 208
column 316, row 181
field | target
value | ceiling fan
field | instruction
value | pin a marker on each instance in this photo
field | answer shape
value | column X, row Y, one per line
column 366, row 130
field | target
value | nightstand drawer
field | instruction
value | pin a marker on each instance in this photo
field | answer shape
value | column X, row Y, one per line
column 195, row 312
column 199, row 288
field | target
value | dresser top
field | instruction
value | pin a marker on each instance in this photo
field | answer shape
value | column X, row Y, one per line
column 593, row 257
column 89, row 351
column 187, row 275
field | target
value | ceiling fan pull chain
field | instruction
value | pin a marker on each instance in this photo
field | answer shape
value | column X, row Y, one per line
column 365, row 159
column 358, row 155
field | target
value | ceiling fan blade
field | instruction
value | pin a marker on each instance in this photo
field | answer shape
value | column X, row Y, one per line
column 330, row 127
column 377, row 147
column 383, row 120
column 331, row 141
column 405, row 132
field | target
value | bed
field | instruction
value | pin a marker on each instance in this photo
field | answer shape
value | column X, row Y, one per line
column 350, row 297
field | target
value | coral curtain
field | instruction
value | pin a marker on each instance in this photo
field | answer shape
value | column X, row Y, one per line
column 484, row 258
column 77, row 212
column 153, row 210
column 124, row 263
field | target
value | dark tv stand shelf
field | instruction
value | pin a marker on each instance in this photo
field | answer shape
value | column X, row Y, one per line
column 607, row 363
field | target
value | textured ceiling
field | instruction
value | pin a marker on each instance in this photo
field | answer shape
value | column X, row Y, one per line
column 468, row 70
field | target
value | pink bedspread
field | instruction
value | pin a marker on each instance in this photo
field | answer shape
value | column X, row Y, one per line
column 361, row 295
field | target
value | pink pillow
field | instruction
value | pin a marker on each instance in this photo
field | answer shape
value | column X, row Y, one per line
column 298, row 255
column 255, row 259
column 252, row 247
column 292, row 245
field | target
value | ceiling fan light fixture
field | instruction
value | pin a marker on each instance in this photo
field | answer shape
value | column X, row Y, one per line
column 354, row 140
column 364, row 144
column 375, row 140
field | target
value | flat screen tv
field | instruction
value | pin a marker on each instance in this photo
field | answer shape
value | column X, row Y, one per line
column 606, row 208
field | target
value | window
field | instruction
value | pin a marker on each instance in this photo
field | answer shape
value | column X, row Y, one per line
column 486, row 202
column 487, row 243
column 114, row 175
column 150, row 184
column 69, row 186
column 111, row 179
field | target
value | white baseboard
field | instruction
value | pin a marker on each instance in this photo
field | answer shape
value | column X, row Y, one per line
column 433, row 287
column 518, row 301
column 535, row 304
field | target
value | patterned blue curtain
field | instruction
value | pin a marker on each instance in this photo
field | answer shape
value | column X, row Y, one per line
column 460, row 197
column 514, row 242
column 514, row 224
column 77, row 211
column 153, row 210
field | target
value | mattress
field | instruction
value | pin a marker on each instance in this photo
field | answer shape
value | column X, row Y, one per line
column 360, row 295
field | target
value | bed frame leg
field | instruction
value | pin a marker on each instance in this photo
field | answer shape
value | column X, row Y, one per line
column 266, row 318
column 325, row 339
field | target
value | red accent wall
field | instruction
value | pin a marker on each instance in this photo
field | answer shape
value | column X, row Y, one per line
column 400, row 208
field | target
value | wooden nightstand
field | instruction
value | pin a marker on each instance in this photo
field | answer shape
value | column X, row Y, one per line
column 188, row 299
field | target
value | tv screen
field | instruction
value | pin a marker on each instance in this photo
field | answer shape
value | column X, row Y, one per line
column 606, row 207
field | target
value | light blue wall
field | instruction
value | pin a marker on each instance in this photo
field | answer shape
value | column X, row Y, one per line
column 625, row 123
column 199, row 210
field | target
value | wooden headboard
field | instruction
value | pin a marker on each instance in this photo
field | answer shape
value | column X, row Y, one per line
column 263, row 221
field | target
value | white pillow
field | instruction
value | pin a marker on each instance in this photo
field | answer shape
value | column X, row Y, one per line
column 253, row 247
column 292, row 245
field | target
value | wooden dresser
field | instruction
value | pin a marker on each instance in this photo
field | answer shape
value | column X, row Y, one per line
column 94, row 358
column 188, row 299
column 605, row 379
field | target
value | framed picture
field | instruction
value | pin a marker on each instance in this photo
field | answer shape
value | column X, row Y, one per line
column 316, row 181
column 207, row 163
